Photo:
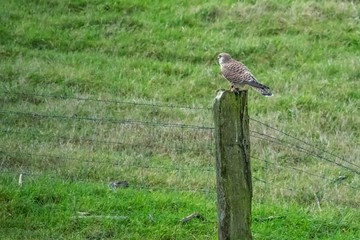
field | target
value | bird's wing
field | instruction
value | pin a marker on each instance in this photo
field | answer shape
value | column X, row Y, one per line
column 233, row 72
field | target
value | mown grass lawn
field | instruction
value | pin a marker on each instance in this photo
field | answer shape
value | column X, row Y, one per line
column 164, row 53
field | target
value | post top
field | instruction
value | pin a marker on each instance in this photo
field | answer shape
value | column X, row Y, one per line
column 219, row 93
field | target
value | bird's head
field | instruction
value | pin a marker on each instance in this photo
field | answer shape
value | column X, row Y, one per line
column 224, row 58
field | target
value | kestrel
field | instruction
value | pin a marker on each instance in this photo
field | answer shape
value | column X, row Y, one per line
column 239, row 75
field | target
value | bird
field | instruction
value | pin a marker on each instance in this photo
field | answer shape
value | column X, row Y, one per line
column 239, row 75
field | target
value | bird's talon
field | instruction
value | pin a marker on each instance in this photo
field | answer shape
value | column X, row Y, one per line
column 234, row 89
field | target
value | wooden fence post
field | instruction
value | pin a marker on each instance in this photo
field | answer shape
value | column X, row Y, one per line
column 233, row 173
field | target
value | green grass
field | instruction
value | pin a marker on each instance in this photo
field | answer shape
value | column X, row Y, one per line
column 165, row 53
column 46, row 207
column 50, row 208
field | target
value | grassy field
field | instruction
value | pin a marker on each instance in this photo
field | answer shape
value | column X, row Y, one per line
column 84, row 64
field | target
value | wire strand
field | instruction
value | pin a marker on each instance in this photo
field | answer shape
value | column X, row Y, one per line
column 301, row 149
column 302, row 141
column 105, row 101
column 110, row 120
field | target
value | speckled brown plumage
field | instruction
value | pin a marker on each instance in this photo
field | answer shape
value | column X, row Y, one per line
column 239, row 76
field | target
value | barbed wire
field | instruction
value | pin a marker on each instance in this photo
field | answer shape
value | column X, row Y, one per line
column 300, row 140
column 126, row 121
column 137, row 145
column 272, row 139
column 331, row 180
column 255, row 134
column 133, row 103
column 109, row 120
column 97, row 161
column 289, row 167
column 174, row 168
column 264, row 137
column 168, row 106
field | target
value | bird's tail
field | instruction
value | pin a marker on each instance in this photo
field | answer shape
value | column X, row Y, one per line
column 264, row 90
column 259, row 87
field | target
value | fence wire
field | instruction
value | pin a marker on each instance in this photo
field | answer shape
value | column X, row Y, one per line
column 155, row 147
